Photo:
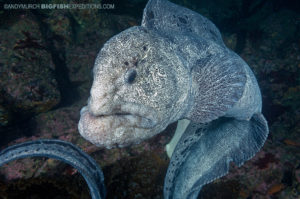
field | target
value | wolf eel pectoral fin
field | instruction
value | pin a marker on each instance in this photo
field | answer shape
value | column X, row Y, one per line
column 64, row 151
column 204, row 152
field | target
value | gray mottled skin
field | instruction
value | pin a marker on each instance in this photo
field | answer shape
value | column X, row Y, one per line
column 183, row 70
column 65, row 152
column 204, row 152
column 176, row 66
column 121, row 113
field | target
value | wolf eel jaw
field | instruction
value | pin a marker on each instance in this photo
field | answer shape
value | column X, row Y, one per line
column 63, row 151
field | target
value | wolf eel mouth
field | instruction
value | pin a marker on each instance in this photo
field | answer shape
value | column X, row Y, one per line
column 128, row 125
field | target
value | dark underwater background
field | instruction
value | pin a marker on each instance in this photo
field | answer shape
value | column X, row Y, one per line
column 46, row 58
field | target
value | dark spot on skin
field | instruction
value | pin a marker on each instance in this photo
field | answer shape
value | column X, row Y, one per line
column 126, row 63
column 142, row 61
column 185, row 141
column 134, row 61
column 147, row 71
column 183, row 153
column 182, row 20
column 199, row 131
column 213, row 33
column 130, row 76
column 147, row 87
column 125, row 37
column 150, row 15
column 144, row 30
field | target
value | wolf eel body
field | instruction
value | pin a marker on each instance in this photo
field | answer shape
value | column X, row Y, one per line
column 63, row 151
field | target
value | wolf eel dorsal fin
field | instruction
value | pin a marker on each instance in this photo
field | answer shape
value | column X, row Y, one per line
column 169, row 18
column 204, row 152
column 64, row 151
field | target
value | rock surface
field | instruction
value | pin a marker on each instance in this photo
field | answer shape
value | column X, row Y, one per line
column 28, row 86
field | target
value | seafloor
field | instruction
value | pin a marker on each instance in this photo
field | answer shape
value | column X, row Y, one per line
column 46, row 58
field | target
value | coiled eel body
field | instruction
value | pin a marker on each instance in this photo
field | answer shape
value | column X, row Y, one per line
column 63, row 151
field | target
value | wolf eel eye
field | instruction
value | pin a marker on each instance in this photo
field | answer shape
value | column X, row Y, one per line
column 130, row 76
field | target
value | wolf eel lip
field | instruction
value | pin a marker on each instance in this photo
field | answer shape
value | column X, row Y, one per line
column 134, row 115
column 136, row 120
